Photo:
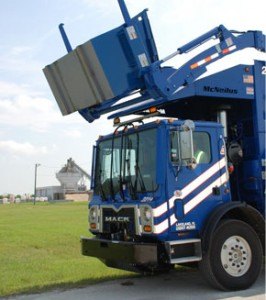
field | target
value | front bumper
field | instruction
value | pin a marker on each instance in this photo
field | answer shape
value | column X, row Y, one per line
column 113, row 253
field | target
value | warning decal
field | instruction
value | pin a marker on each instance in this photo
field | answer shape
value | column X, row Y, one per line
column 132, row 33
column 250, row 91
column 248, row 79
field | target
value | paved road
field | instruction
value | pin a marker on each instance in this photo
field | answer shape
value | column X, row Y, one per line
column 175, row 285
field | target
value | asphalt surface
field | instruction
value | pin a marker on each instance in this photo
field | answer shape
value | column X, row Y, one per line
column 183, row 285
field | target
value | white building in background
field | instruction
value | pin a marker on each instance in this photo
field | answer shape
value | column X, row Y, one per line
column 51, row 192
column 72, row 179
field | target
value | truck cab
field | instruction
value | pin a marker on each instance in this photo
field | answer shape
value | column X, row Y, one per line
column 154, row 168
column 150, row 190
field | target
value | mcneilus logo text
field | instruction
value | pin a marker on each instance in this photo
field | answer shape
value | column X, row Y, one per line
column 216, row 89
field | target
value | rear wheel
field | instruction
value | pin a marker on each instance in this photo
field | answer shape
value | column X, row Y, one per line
column 234, row 258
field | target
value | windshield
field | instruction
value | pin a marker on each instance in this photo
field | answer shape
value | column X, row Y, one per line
column 126, row 165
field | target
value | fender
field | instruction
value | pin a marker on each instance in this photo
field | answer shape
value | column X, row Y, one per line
column 234, row 210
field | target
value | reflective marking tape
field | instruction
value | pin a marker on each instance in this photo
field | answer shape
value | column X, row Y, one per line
column 204, row 61
column 198, row 181
column 211, row 57
column 161, row 227
column 232, row 48
column 227, row 50
column 173, row 219
column 158, row 211
column 200, row 197
column 172, row 201
column 204, row 194
column 215, row 55
column 201, row 62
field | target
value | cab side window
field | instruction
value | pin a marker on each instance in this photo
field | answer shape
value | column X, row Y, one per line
column 202, row 147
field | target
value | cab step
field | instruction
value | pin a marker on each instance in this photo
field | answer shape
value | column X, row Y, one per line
column 183, row 251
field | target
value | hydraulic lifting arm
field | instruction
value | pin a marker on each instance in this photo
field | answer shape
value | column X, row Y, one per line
column 164, row 84
column 134, row 68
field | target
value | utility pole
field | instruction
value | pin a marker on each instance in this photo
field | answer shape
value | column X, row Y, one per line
column 35, row 182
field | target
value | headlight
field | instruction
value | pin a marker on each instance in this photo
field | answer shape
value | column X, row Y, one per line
column 93, row 218
column 93, row 213
column 147, row 214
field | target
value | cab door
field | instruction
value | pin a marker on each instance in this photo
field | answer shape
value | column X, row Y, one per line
column 194, row 187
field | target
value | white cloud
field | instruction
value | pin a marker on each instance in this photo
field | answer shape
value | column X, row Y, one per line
column 20, row 106
column 18, row 50
column 9, row 89
column 36, row 113
column 103, row 6
column 21, row 65
column 73, row 133
column 26, row 148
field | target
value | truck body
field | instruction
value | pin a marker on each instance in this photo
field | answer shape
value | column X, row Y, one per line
column 188, row 186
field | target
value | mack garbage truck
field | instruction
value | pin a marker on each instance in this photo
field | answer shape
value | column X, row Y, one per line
column 182, row 179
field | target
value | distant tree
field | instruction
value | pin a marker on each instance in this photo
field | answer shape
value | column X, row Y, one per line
column 1, row 196
column 18, row 196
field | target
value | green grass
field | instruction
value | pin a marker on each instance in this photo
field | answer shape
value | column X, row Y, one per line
column 40, row 248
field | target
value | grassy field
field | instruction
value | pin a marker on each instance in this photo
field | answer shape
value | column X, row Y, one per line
column 40, row 249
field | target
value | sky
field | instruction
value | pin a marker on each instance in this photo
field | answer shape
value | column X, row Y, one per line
column 32, row 129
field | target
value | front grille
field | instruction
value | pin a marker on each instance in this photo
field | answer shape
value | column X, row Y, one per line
column 118, row 221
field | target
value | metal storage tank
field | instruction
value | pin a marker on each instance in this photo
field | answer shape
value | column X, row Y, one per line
column 70, row 175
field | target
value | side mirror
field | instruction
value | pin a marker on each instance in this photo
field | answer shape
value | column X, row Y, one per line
column 186, row 144
column 93, row 168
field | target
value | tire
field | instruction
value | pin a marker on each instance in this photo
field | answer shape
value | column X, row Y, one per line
column 234, row 258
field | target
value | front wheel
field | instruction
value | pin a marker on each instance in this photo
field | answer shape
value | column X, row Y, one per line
column 234, row 257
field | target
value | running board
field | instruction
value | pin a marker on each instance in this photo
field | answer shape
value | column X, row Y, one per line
column 183, row 251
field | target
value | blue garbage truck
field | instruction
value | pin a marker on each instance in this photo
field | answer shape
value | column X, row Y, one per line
column 182, row 180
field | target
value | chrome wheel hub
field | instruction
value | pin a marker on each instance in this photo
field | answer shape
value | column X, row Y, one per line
column 236, row 256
